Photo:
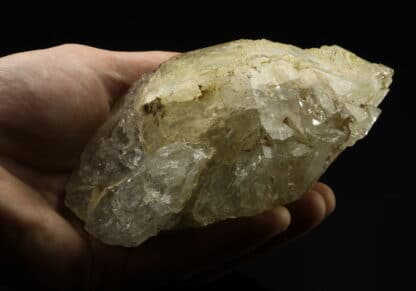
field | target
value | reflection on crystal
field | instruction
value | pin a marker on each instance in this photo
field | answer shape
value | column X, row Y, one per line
column 223, row 132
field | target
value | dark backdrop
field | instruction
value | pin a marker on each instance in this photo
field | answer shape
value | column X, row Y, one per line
column 364, row 245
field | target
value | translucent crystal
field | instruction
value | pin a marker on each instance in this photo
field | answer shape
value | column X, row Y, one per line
column 222, row 132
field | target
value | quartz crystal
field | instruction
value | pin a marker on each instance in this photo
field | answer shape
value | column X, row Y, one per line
column 222, row 132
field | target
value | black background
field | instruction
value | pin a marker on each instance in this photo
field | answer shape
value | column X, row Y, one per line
column 365, row 244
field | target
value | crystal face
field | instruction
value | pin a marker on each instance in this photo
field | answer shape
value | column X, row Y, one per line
column 222, row 132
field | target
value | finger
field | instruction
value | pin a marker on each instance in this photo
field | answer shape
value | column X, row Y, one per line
column 49, row 185
column 127, row 67
column 33, row 234
column 328, row 195
column 306, row 214
column 183, row 252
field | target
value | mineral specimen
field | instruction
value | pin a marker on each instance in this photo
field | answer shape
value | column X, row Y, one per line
column 222, row 132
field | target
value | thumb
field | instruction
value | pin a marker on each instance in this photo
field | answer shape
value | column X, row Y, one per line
column 133, row 64
column 127, row 67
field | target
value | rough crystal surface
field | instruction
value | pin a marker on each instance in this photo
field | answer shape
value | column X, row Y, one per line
column 226, row 131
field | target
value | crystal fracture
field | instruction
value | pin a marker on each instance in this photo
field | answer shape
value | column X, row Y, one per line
column 222, row 132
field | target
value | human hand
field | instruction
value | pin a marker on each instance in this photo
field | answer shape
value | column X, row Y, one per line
column 51, row 102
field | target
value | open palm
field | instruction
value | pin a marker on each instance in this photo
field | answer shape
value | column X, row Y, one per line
column 51, row 102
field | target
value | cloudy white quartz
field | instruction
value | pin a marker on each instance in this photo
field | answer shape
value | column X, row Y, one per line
column 222, row 132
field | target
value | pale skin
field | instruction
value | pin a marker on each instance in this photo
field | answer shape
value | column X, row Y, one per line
column 51, row 102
